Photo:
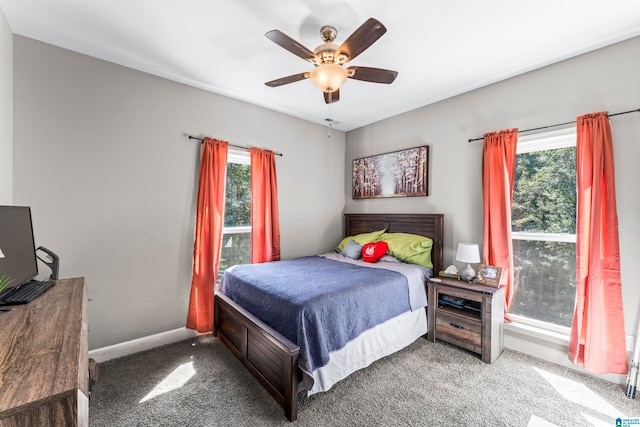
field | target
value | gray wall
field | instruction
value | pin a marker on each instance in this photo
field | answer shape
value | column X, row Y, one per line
column 102, row 158
column 607, row 79
column 6, row 112
column 113, row 189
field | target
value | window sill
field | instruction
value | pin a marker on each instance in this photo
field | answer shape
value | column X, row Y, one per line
column 542, row 331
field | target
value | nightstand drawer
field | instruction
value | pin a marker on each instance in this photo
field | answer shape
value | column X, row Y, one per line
column 460, row 331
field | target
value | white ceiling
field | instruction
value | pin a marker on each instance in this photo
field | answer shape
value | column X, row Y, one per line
column 439, row 48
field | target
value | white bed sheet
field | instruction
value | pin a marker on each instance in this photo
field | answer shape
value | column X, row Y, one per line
column 373, row 344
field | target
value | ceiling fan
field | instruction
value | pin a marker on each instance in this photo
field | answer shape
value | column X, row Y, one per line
column 328, row 59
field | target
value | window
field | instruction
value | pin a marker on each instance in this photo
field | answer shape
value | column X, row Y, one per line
column 544, row 227
column 236, row 234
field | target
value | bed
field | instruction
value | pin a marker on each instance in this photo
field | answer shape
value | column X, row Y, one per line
column 278, row 362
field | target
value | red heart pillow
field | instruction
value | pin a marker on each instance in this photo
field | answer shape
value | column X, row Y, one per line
column 372, row 252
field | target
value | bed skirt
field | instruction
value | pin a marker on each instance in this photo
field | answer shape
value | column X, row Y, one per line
column 373, row 344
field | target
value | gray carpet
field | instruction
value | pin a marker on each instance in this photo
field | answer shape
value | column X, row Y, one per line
column 426, row 384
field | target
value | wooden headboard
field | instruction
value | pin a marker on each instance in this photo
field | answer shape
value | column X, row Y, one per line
column 429, row 225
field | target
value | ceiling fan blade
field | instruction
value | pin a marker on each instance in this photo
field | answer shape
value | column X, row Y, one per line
column 283, row 40
column 374, row 75
column 331, row 97
column 289, row 79
column 362, row 38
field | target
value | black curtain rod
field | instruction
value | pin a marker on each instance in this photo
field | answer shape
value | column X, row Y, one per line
column 560, row 124
column 232, row 145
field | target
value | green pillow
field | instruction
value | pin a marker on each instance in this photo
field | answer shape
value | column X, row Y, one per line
column 362, row 239
column 409, row 248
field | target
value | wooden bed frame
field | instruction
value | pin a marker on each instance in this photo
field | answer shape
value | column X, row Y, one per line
column 272, row 358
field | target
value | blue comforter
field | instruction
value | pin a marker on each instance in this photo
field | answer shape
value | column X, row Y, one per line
column 318, row 303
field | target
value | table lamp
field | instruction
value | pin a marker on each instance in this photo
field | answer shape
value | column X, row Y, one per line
column 468, row 252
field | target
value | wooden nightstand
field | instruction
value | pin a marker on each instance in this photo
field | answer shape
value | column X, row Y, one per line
column 470, row 316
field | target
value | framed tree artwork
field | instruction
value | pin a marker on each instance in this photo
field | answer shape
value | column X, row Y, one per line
column 397, row 174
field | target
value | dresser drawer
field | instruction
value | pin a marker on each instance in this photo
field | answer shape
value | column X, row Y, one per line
column 459, row 330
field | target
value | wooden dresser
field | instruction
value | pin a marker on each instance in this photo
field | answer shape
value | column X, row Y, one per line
column 44, row 378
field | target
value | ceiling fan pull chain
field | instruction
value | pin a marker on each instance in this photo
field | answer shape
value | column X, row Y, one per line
column 330, row 120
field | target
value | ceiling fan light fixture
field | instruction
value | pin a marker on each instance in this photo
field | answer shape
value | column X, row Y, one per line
column 328, row 77
column 329, row 58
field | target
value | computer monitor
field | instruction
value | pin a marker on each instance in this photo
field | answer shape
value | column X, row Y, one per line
column 17, row 247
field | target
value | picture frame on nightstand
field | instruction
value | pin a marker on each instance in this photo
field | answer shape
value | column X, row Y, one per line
column 489, row 275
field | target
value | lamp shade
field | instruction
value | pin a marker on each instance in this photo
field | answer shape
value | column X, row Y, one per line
column 468, row 252
column 328, row 77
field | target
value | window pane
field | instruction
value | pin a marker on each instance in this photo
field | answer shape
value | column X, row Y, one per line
column 544, row 194
column 544, row 280
column 236, row 249
column 238, row 195
column 544, row 203
column 236, row 236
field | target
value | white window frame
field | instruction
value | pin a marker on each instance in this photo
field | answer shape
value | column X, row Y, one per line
column 237, row 155
column 547, row 140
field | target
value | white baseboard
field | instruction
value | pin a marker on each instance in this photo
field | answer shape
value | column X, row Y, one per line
column 140, row 344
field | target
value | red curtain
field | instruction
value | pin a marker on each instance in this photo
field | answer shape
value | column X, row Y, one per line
column 208, row 237
column 597, row 330
column 498, row 168
column 265, row 225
